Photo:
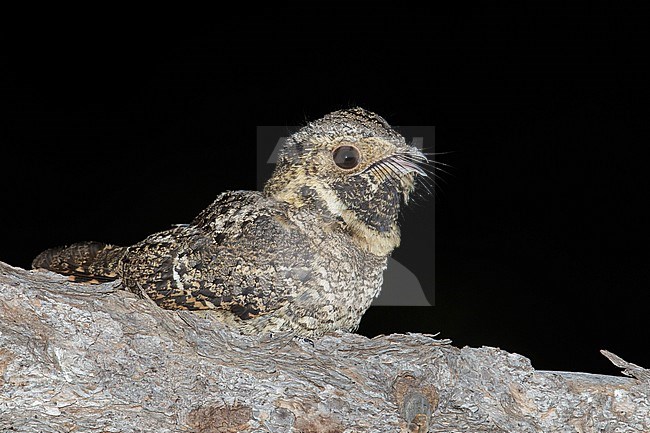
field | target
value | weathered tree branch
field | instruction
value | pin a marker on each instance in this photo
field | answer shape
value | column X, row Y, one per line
column 94, row 358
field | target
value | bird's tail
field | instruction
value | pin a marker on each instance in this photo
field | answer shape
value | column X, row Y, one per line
column 83, row 262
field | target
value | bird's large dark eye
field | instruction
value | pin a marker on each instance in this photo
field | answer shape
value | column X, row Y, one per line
column 346, row 157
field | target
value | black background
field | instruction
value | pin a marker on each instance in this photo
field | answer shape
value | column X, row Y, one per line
column 112, row 131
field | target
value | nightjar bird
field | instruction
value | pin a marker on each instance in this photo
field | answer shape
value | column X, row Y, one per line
column 305, row 255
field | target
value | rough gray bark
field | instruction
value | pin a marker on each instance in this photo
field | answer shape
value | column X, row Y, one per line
column 93, row 358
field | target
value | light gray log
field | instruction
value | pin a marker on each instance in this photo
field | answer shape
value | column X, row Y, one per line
column 88, row 358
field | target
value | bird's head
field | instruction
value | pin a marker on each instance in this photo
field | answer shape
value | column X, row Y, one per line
column 352, row 166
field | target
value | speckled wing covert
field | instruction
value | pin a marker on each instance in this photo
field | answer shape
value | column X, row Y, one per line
column 231, row 257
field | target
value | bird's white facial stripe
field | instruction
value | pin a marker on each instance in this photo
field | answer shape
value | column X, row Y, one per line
column 332, row 201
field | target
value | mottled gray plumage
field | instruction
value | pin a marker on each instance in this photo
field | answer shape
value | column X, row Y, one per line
column 305, row 255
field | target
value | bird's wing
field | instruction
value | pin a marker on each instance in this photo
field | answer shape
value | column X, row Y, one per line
column 240, row 255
